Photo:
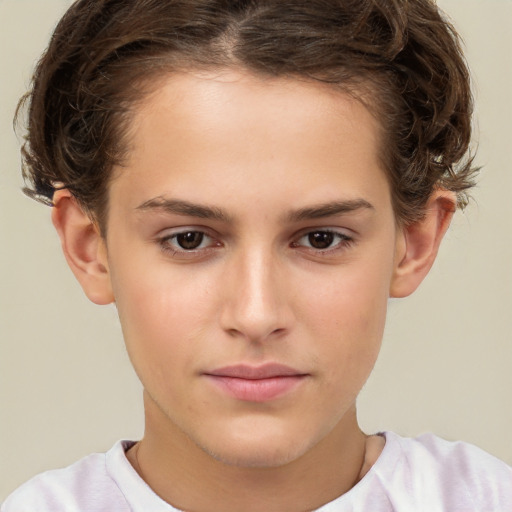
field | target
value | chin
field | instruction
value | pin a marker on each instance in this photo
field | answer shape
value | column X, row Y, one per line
column 257, row 451
column 257, row 458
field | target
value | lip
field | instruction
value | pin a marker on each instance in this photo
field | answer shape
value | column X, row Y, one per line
column 256, row 383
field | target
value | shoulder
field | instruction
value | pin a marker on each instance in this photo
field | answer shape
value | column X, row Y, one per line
column 85, row 485
column 466, row 461
column 454, row 473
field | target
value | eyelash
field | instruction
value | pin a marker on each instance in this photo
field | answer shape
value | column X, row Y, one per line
column 343, row 241
column 169, row 244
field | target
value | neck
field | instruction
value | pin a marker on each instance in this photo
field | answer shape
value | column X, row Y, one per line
column 176, row 469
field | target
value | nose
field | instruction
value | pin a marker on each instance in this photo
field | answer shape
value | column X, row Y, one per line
column 255, row 305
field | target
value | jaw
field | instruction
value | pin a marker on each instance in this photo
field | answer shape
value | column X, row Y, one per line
column 267, row 479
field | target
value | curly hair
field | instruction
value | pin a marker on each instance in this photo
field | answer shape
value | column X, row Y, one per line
column 105, row 55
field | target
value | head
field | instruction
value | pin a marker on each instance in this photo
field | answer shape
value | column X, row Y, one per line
column 249, row 182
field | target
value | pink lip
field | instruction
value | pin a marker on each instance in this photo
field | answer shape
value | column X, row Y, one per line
column 256, row 383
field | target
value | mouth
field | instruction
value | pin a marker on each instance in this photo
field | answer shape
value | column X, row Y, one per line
column 256, row 383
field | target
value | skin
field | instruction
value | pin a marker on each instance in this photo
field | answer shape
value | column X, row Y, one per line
column 263, row 168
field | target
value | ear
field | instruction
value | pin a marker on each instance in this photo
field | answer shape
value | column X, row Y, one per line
column 83, row 247
column 419, row 242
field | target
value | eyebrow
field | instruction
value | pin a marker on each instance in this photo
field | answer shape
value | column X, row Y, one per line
column 179, row 207
column 329, row 209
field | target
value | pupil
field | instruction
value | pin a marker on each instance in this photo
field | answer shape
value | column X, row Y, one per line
column 321, row 239
column 190, row 240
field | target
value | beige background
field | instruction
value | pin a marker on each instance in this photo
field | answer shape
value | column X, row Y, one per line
column 67, row 388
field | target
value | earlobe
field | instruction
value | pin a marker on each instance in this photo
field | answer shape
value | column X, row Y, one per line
column 419, row 243
column 83, row 247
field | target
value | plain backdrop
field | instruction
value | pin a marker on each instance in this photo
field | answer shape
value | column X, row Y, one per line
column 67, row 388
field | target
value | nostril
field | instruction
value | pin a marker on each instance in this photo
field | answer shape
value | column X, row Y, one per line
column 256, row 336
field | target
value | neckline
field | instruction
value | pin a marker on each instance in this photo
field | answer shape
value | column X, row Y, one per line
column 141, row 497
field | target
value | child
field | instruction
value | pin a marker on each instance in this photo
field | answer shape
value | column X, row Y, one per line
column 250, row 182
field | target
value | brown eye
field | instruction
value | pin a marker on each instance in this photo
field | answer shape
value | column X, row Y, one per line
column 324, row 241
column 190, row 240
column 321, row 239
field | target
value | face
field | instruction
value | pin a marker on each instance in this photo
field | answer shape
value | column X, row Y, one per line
column 251, row 245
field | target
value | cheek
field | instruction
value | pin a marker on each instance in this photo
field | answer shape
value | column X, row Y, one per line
column 351, row 301
column 347, row 317
column 162, row 314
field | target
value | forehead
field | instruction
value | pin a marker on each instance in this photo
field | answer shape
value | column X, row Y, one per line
column 198, row 96
column 197, row 130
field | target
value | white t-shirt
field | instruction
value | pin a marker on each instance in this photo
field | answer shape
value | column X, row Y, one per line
column 425, row 474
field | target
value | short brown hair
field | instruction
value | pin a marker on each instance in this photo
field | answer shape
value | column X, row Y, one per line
column 105, row 53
